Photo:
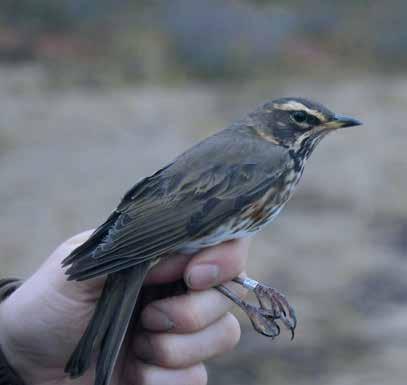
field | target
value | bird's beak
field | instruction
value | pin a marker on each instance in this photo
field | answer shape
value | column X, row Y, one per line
column 340, row 121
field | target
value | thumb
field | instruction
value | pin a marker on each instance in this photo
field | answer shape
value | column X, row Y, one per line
column 52, row 273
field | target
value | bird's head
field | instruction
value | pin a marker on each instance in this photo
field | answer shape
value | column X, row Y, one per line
column 297, row 122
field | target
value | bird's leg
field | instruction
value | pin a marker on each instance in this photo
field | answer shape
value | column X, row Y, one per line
column 262, row 323
column 272, row 301
column 273, row 307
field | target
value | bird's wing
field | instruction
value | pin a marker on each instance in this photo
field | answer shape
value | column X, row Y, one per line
column 172, row 207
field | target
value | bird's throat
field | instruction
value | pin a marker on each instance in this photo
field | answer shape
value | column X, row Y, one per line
column 304, row 147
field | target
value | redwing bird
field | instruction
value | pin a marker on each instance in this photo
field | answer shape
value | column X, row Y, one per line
column 228, row 186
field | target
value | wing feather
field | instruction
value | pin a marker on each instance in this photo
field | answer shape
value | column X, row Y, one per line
column 164, row 212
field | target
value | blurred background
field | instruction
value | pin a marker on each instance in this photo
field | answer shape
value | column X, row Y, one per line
column 96, row 94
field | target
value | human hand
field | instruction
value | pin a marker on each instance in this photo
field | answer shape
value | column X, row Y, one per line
column 41, row 323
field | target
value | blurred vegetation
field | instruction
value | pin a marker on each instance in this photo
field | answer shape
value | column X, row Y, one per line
column 191, row 39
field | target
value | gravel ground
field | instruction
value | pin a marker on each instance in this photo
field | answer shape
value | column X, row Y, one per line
column 339, row 249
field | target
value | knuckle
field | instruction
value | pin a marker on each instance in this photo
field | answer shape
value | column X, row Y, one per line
column 192, row 319
column 164, row 351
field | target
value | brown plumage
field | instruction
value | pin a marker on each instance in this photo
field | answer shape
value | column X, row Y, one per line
column 228, row 186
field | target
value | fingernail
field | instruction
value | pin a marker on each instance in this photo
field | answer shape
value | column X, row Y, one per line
column 155, row 319
column 203, row 276
column 143, row 348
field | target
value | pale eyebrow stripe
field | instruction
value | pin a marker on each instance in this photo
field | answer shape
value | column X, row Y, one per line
column 297, row 106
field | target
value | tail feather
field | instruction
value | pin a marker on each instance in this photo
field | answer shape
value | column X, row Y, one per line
column 113, row 339
column 80, row 359
column 108, row 326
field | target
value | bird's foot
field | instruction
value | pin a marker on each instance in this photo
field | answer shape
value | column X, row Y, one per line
column 277, row 306
column 273, row 307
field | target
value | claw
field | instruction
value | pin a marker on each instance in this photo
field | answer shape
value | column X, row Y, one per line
column 273, row 307
column 261, row 322
column 281, row 308
column 278, row 306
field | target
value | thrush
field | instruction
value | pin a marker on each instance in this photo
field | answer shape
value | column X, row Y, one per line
column 228, row 186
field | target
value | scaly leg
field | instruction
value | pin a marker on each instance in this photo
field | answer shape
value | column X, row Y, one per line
column 273, row 307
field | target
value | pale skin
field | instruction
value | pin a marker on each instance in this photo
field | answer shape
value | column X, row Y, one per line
column 43, row 320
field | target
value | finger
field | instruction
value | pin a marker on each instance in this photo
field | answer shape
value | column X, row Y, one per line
column 143, row 374
column 57, row 276
column 189, row 312
column 171, row 268
column 167, row 270
column 183, row 350
column 216, row 265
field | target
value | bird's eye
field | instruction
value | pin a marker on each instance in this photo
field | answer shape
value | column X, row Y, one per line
column 299, row 116
column 303, row 117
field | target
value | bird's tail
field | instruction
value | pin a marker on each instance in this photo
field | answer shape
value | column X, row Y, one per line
column 109, row 323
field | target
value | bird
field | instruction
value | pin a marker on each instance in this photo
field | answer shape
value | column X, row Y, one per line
column 228, row 186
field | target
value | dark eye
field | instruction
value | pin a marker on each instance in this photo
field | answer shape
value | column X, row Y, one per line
column 303, row 117
column 299, row 116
